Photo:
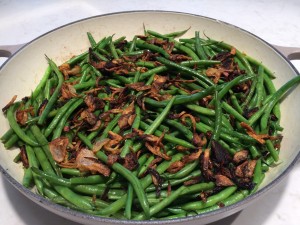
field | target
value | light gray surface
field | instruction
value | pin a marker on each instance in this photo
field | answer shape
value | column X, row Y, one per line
column 275, row 21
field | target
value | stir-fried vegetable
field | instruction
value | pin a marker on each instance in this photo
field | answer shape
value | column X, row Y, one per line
column 150, row 128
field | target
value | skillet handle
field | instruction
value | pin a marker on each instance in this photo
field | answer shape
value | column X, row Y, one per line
column 9, row 50
column 289, row 52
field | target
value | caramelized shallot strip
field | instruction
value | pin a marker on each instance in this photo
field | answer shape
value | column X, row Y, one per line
column 58, row 148
column 87, row 161
column 259, row 137
column 9, row 103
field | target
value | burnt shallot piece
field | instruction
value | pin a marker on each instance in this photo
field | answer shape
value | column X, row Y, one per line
column 149, row 127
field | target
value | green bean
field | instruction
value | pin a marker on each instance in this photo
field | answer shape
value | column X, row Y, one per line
column 254, row 152
column 199, row 47
column 84, row 85
column 58, row 130
column 149, row 65
column 156, row 34
column 98, row 190
column 113, row 49
column 33, row 162
column 275, row 126
column 7, row 135
column 85, row 75
column 11, row 141
column 85, row 140
column 180, row 127
column 27, row 178
column 183, row 172
column 58, row 116
column 182, row 99
column 227, row 147
column 129, row 201
column 91, row 39
column 218, row 118
column 17, row 158
column 96, row 202
column 235, row 103
column 119, row 40
column 74, row 198
column 109, row 127
column 42, row 83
column 241, row 136
column 267, row 162
column 212, row 200
column 175, row 211
column 233, row 112
column 60, row 200
column 196, row 188
column 52, row 194
column 132, row 44
column 208, row 51
column 200, row 109
column 97, row 72
column 271, row 89
column 145, row 166
column 35, row 119
column 162, row 127
column 52, row 178
column 177, row 33
column 226, row 202
column 190, row 63
column 113, row 84
column 272, row 150
column 113, row 176
column 260, row 86
column 41, row 139
column 156, row 70
column 93, row 179
column 48, row 86
column 15, row 126
column 42, row 159
column 151, row 129
column 55, row 94
column 257, row 177
column 78, row 58
column 71, row 171
column 123, row 79
column 144, row 45
column 169, row 35
column 185, row 69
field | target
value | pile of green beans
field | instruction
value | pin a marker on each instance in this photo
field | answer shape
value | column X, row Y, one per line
column 207, row 106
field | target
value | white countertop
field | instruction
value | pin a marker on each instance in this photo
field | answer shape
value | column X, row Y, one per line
column 276, row 21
